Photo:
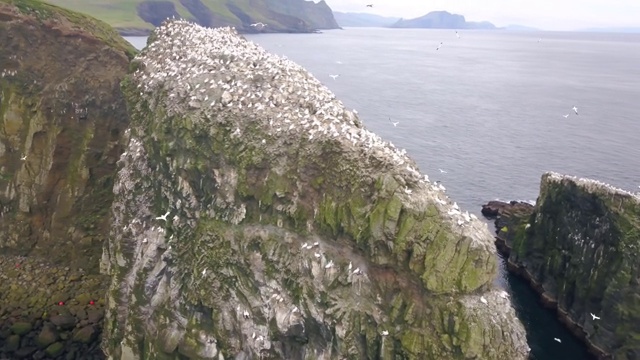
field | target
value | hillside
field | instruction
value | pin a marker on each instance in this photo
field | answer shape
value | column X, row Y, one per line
column 442, row 20
column 139, row 17
column 363, row 20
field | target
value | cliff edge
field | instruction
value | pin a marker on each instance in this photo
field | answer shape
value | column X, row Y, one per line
column 580, row 248
column 255, row 217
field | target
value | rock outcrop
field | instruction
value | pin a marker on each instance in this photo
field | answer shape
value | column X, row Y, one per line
column 62, row 116
column 255, row 217
column 580, row 248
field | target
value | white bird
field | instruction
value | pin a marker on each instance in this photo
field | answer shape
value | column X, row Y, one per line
column 384, row 333
column 558, row 340
column 204, row 272
column 442, row 171
column 504, row 294
column 575, row 110
column 245, row 314
column 350, row 265
column 439, row 46
column 329, row 265
column 334, row 76
column 394, row 123
column 457, row 35
column 594, row 317
column 23, row 158
column 483, row 300
column 163, row 217
column 259, row 24
column 565, row 116
column 356, row 271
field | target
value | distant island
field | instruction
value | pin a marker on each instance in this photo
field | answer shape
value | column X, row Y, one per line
column 140, row 17
column 363, row 20
column 442, row 20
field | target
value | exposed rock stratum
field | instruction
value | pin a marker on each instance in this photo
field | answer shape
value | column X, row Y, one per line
column 580, row 248
column 256, row 218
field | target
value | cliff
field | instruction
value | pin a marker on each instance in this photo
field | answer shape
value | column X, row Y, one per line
column 139, row 17
column 442, row 20
column 580, row 248
column 61, row 119
column 363, row 20
column 255, row 217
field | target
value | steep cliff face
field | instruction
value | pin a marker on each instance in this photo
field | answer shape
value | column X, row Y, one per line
column 581, row 247
column 138, row 17
column 255, row 217
column 62, row 116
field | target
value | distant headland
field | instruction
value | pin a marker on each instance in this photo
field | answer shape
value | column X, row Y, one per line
column 432, row 20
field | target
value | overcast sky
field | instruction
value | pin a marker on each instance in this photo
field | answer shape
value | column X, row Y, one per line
column 543, row 14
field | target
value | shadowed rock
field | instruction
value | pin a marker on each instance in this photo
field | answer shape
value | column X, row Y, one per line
column 580, row 249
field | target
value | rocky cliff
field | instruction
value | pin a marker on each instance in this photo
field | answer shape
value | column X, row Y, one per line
column 255, row 217
column 580, row 248
column 62, row 115
column 139, row 17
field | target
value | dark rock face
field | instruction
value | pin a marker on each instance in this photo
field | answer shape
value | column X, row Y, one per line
column 61, row 118
column 580, row 249
column 155, row 12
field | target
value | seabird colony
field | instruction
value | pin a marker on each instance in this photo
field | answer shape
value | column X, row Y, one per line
column 594, row 185
column 219, row 73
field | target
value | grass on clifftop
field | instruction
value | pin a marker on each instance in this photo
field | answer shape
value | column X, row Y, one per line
column 101, row 30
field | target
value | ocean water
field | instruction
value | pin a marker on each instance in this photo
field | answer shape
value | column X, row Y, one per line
column 484, row 114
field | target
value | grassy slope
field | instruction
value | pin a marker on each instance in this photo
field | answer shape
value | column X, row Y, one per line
column 123, row 13
column 99, row 29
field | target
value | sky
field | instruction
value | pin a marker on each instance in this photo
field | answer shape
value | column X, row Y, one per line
column 542, row 14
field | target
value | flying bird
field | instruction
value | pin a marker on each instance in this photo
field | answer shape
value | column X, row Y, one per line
column 370, row 5
column 457, row 35
column 394, row 123
column 163, row 217
column 575, row 110
column 558, row 340
column 439, row 46
column 442, row 171
column 565, row 116
column 23, row 158
column 259, row 24
column 594, row 317
column 334, row 76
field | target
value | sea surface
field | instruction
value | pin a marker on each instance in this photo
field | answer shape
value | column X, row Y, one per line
column 484, row 114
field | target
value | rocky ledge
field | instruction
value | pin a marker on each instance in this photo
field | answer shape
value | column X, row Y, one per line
column 255, row 217
column 579, row 247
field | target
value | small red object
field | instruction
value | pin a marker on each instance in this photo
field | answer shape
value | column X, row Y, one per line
column 61, row 303
column 17, row 265
column 91, row 302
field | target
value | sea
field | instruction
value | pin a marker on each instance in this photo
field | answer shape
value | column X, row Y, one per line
column 487, row 114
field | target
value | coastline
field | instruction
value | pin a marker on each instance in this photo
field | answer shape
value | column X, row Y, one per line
column 548, row 301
